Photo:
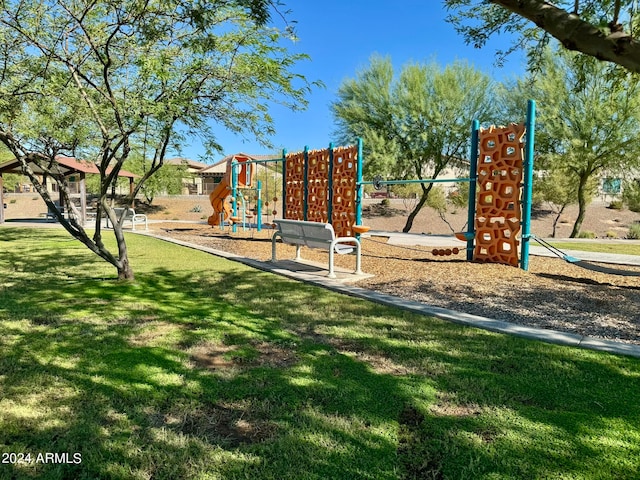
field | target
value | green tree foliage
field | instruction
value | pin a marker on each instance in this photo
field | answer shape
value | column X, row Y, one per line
column 9, row 180
column 415, row 124
column 588, row 123
column 168, row 179
column 92, row 79
column 631, row 195
column 558, row 191
column 602, row 29
column 409, row 193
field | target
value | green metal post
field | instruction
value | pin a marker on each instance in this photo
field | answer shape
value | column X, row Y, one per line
column 473, row 176
column 527, row 188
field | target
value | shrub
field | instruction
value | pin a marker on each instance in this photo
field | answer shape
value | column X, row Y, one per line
column 615, row 205
column 634, row 232
column 631, row 196
column 437, row 199
column 409, row 193
column 611, row 234
column 460, row 196
column 586, row 234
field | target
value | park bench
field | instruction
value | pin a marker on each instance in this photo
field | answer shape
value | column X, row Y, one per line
column 129, row 215
column 69, row 213
column 314, row 235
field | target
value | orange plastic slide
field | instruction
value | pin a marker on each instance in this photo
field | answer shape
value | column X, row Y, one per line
column 218, row 199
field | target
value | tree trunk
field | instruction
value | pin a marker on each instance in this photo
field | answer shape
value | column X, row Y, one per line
column 419, row 205
column 582, row 206
column 124, row 270
column 555, row 226
column 556, row 220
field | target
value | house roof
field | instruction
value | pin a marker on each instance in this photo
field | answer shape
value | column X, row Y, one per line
column 185, row 161
column 68, row 166
column 220, row 167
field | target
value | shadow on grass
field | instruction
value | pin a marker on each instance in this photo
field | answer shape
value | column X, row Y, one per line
column 228, row 371
column 145, row 410
column 111, row 374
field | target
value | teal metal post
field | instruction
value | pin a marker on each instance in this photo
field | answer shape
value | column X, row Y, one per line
column 473, row 175
column 234, row 193
column 330, row 186
column 259, row 206
column 284, row 183
column 527, row 188
column 244, row 210
column 305, row 191
column 359, row 186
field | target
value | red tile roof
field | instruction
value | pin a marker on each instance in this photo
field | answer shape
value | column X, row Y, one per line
column 88, row 167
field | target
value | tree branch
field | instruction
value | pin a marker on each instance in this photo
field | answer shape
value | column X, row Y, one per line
column 577, row 34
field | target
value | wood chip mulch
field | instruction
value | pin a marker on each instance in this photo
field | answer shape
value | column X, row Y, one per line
column 553, row 294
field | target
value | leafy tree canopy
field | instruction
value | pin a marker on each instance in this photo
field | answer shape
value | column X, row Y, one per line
column 588, row 124
column 416, row 123
column 92, row 79
column 603, row 29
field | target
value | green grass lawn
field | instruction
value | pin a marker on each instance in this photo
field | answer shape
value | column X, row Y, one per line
column 203, row 368
column 600, row 246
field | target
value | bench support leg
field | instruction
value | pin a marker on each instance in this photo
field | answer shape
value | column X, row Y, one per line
column 298, row 257
column 332, row 273
column 358, row 260
column 273, row 246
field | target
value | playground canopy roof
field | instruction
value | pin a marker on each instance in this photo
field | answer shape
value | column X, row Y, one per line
column 68, row 166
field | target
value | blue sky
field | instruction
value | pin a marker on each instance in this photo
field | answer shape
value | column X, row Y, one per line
column 340, row 36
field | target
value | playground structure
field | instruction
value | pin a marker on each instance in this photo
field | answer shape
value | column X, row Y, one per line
column 500, row 181
column 498, row 214
column 238, row 174
column 317, row 186
column 326, row 186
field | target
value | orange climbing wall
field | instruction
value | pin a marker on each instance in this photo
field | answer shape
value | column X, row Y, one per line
column 318, row 186
column 344, row 170
column 294, row 181
column 343, row 214
column 498, row 209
